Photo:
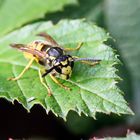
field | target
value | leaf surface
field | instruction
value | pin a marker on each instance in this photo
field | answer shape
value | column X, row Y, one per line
column 93, row 89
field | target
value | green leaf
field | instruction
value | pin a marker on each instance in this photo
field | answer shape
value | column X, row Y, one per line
column 93, row 89
column 14, row 13
column 126, row 31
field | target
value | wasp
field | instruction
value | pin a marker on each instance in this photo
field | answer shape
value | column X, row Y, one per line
column 52, row 57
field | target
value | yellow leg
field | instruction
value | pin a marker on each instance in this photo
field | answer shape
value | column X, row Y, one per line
column 90, row 63
column 74, row 49
column 24, row 70
column 44, row 84
column 57, row 82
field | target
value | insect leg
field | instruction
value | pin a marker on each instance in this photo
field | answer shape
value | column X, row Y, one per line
column 88, row 61
column 74, row 49
column 44, row 83
column 58, row 83
column 24, row 70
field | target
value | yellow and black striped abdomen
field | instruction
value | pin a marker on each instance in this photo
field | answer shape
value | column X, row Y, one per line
column 38, row 45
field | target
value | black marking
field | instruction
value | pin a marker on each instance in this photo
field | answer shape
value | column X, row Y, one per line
column 61, row 66
column 41, row 62
column 63, row 58
column 71, row 64
column 58, row 66
column 59, row 69
column 45, row 47
column 67, row 76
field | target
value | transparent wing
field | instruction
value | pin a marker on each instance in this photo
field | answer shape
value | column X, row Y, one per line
column 49, row 39
column 24, row 48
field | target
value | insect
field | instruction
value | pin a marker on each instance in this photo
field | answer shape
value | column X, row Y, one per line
column 52, row 57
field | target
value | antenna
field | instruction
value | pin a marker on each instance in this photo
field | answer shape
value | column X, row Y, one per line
column 87, row 59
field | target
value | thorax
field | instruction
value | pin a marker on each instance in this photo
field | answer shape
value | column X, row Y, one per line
column 52, row 52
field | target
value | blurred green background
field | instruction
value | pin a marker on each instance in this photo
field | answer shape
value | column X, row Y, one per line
column 121, row 18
